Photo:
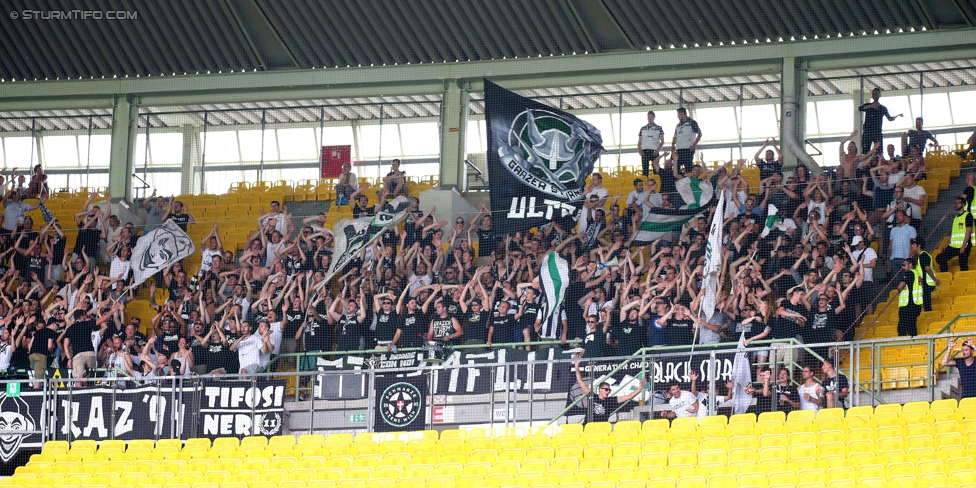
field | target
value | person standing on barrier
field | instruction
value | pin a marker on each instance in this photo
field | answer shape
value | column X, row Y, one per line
column 874, row 115
column 649, row 142
column 603, row 404
column 966, row 366
column 685, row 140
column 909, row 299
column 923, row 264
column 960, row 238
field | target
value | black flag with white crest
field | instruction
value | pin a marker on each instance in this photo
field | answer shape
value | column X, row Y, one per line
column 538, row 161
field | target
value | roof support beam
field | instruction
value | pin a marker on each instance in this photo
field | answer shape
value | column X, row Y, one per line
column 523, row 73
column 265, row 42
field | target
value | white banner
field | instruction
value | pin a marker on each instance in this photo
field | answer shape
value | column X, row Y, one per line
column 158, row 250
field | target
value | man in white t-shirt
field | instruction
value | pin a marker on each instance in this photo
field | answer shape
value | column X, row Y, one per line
column 866, row 258
column 595, row 188
column 249, row 349
column 636, row 197
column 915, row 196
column 683, row 403
column 811, row 393
column 650, row 140
column 270, row 330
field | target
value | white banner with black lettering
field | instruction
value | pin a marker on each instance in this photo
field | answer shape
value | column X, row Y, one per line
column 241, row 408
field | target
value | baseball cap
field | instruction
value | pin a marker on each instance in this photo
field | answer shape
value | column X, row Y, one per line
column 856, row 240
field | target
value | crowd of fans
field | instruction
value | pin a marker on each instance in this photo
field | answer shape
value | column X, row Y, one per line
column 808, row 272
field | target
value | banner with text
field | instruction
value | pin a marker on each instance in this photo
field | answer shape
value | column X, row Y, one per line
column 241, row 408
column 538, row 160
column 487, row 371
column 221, row 408
column 401, row 403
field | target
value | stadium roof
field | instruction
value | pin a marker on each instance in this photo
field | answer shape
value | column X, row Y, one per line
column 180, row 37
column 608, row 96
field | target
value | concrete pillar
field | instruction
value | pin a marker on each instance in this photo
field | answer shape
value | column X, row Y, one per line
column 190, row 181
column 453, row 127
column 857, row 95
column 125, row 115
column 793, row 86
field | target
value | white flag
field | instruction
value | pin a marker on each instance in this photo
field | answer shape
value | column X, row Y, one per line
column 158, row 250
column 741, row 377
column 713, row 260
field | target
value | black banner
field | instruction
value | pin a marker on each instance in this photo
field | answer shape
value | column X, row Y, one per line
column 21, row 424
column 484, row 372
column 241, row 408
column 538, row 160
column 138, row 413
column 401, row 403
column 190, row 409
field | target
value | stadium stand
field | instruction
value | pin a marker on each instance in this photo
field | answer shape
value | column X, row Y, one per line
column 834, row 306
column 919, row 444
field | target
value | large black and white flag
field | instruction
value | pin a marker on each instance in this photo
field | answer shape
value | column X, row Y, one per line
column 354, row 235
column 159, row 249
column 538, row 161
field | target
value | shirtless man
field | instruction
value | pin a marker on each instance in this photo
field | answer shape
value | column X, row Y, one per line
column 849, row 158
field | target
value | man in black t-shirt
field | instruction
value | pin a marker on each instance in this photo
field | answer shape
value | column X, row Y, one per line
column 487, row 239
column 474, row 321
column 602, row 405
column 502, row 326
column 42, row 348
column 77, row 339
column 595, row 342
column 786, row 393
column 528, row 312
column 668, row 188
column 628, row 335
column 790, row 316
column 177, row 215
column 385, row 325
column 835, row 385
column 679, row 328
column 412, row 324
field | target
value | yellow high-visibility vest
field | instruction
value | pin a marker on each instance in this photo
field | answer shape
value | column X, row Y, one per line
column 958, row 230
column 916, row 290
column 918, row 267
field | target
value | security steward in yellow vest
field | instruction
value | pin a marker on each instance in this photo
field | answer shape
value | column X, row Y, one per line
column 909, row 299
column 960, row 238
column 970, row 192
column 923, row 264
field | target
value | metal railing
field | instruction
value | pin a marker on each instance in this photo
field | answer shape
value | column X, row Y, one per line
column 533, row 392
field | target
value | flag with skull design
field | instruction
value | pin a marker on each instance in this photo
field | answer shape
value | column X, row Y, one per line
column 538, row 160
column 159, row 249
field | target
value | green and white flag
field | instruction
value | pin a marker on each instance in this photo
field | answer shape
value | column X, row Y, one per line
column 658, row 222
column 773, row 221
column 554, row 279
